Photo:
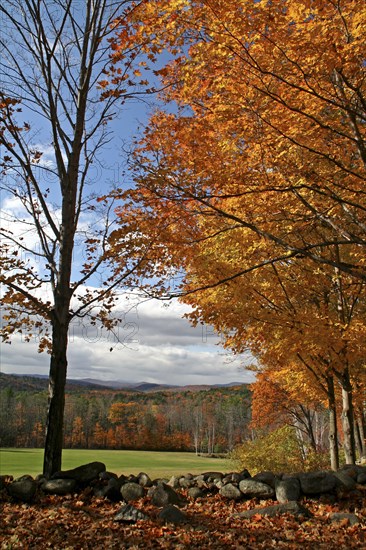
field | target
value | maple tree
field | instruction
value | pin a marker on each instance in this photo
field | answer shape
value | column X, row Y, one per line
column 252, row 180
column 56, row 260
column 252, row 108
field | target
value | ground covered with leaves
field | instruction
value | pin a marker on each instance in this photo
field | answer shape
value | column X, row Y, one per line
column 83, row 521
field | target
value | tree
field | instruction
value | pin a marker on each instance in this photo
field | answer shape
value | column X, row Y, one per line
column 261, row 163
column 258, row 123
column 56, row 261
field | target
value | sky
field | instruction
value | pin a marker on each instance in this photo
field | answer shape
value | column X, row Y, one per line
column 153, row 343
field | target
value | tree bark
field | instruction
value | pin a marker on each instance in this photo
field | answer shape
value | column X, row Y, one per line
column 333, row 431
column 348, row 419
column 56, row 399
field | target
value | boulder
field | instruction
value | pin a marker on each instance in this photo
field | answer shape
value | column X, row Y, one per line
column 252, row 488
column 82, row 474
column 292, row 507
column 266, row 477
column 288, row 489
column 132, row 491
column 231, row 491
column 195, row 492
column 59, row 486
column 23, row 489
column 129, row 514
column 144, row 480
column 316, row 483
column 351, row 519
column 172, row 514
column 112, row 490
column 344, row 481
column 163, row 494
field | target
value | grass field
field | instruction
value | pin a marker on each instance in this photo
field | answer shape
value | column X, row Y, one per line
column 17, row 462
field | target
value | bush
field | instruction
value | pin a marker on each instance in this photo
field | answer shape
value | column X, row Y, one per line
column 279, row 451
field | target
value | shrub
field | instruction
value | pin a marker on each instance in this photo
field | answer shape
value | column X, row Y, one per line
column 279, row 451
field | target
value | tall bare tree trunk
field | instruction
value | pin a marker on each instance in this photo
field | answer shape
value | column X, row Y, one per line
column 333, row 431
column 348, row 419
column 56, row 400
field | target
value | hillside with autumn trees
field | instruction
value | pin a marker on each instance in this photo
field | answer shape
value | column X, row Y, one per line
column 203, row 421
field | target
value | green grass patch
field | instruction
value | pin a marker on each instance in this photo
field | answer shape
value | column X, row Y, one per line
column 17, row 462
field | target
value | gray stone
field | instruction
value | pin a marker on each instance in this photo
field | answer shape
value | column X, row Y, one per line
column 129, row 514
column 195, row 492
column 23, row 489
column 186, row 482
column 288, row 489
column 82, row 474
column 340, row 516
column 291, row 507
column 172, row 514
column 144, row 480
column 132, row 491
column 163, row 495
column 59, row 486
column 316, row 483
column 344, row 481
column 361, row 479
column 266, row 477
column 252, row 488
column 173, row 482
column 212, row 476
column 230, row 491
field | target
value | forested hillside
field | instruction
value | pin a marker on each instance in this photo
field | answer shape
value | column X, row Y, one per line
column 211, row 420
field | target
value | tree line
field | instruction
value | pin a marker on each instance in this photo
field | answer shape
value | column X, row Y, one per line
column 207, row 421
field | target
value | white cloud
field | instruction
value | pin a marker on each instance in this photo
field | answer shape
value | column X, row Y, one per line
column 165, row 349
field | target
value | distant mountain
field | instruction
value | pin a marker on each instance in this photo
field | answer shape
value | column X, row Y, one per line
column 39, row 382
column 36, row 382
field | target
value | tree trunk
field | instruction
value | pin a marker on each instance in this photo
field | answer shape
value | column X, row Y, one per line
column 56, row 399
column 333, row 432
column 361, row 435
column 347, row 424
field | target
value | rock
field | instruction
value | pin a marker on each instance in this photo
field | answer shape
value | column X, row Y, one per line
column 291, row 507
column 129, row 514
column 132, row 491
column 163, row 495
column 82, row 474
column 144, row 480
column 361, row 479
column 351, row 519
column 4, row 480
column 172, row 514
column 316, row 483
column 173, row 482
column 186, row 482
column 252, row 488
column 230, row 491
column 195, row 492
column 344, row 481
column 112, row 490
column 59, row 486
column 288, row 489
column 106, row 476
column 23, row 489
column 212, row 476
column 266, row 477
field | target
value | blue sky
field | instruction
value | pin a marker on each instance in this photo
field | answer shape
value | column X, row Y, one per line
column 155, row 343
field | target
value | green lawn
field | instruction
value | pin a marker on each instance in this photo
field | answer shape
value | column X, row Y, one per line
column 18, row 462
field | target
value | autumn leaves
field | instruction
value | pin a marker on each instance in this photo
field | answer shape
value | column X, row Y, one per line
column 252, row 182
